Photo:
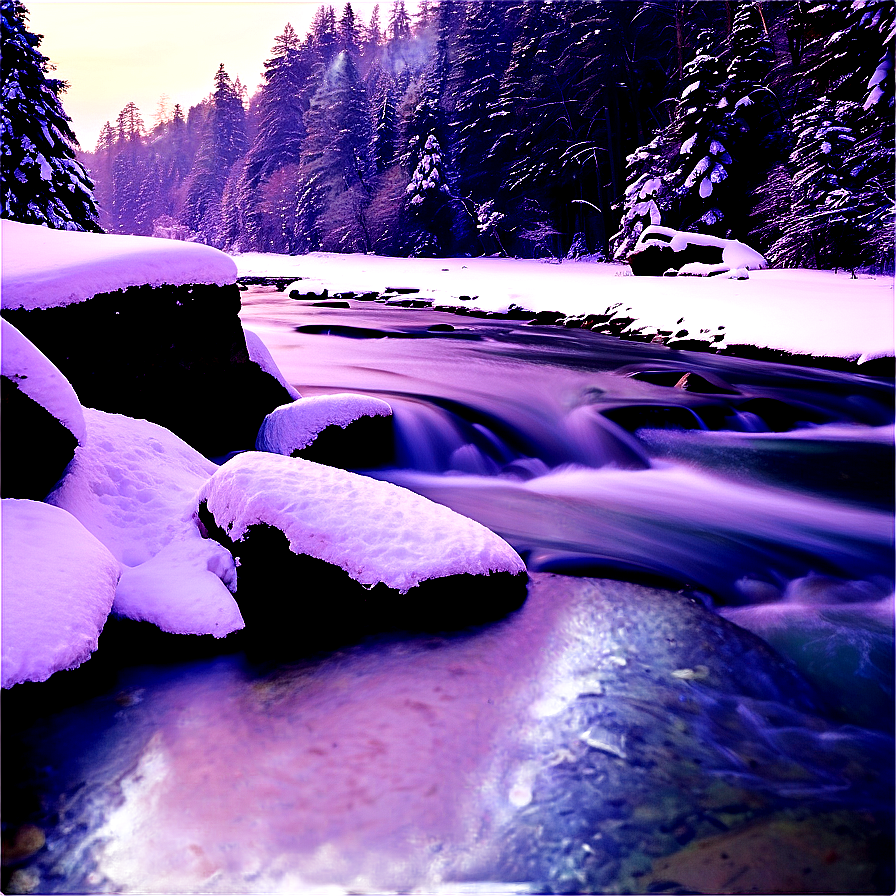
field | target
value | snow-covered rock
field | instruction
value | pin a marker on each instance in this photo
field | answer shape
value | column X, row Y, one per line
column 375, row 531
column 140, row 326
column 42, row 418
column 661, row 249
column 344, row 419
column 132, row 485
column 40, row 379
column 58, row 583
column 44, row 268
column 259, row 354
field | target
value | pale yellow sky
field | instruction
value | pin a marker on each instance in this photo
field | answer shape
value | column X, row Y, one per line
column 113, row 52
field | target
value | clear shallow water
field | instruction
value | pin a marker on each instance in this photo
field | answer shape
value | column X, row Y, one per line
column 610, row 736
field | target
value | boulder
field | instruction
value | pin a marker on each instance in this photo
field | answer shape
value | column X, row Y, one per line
column 43, row 421
column 345, row 553
column 662, row 250
column 342, row 430
column 175, row 355
column 143, row 327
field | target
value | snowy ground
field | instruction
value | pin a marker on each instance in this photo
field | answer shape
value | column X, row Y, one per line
column 817, row 313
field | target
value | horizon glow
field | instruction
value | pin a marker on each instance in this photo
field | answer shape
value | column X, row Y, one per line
column 112, row 52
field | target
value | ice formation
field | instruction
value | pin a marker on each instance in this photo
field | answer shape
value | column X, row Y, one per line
column 292, row 427
column 58, row 583
column 132, row 485
column 375, row 531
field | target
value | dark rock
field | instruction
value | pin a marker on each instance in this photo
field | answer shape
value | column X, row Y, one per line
column 36, row 446
column 174, row 355
column 365, row 444
column 654, row 261
column 332, row 304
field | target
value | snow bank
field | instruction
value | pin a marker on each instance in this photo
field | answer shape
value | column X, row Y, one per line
column 43, row 268
column 58, row 583
column 819, row 313
column 40, row 379
column 292, row 427
column 132, row 485
column 375, row 531
column 258, row 352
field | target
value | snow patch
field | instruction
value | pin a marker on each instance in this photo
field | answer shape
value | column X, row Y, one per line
column 292, row 427
column 58, row 583
column 375, row 531
column 44, row 268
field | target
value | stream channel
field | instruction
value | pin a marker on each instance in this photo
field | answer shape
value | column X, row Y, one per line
column 697, row 695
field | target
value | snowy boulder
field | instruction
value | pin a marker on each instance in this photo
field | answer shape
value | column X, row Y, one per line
column 343, row 430
column 141, row 326
column 379, row 555
column 661, row 250
column 260, row 355
column 58, row 583
column 132, row 485
column 42, row 418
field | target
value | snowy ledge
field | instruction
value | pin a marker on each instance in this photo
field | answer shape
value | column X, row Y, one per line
column 45, row 268
column 801, row 312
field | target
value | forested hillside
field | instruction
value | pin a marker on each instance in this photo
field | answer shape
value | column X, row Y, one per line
column 534, row 129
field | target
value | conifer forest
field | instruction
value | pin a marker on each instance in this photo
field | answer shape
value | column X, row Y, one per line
column 545, row 128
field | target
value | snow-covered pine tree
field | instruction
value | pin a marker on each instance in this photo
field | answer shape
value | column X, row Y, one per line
column 428, row 204
column 384, row 124
column 224, row 142
column 755, row 133
column 646, row 196
column 281, row 121
column 474, row 83
column 820, row 228
column 41, row 180
column 333, row 174
column 702, row 129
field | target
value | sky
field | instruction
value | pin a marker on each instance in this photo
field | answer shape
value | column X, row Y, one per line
column 113, row 52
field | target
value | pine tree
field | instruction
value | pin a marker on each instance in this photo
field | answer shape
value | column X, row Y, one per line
column 646, row 197
column 428, row 204
column 703, row 161
column 333, row 174
column 42, row 181
column 224, row 142
column 474, row 84
column 385, row 125
column 281, row 120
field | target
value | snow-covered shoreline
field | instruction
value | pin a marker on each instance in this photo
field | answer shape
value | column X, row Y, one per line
column 802, row 312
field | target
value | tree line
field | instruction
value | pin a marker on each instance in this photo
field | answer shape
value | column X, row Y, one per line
column 539, row 128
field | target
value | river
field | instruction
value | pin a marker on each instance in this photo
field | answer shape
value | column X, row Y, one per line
column 616, row 734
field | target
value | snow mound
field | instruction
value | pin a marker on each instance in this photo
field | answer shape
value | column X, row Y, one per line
column 58, row 583
column 258, row 352
column 292, row 427
column 375, row 531
column 132, row 485
column 40, row 379
column 45, row 268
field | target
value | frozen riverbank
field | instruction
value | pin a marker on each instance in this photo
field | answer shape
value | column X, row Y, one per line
column 802, row 312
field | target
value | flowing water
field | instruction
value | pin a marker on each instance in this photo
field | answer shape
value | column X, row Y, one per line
column 624, row 731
